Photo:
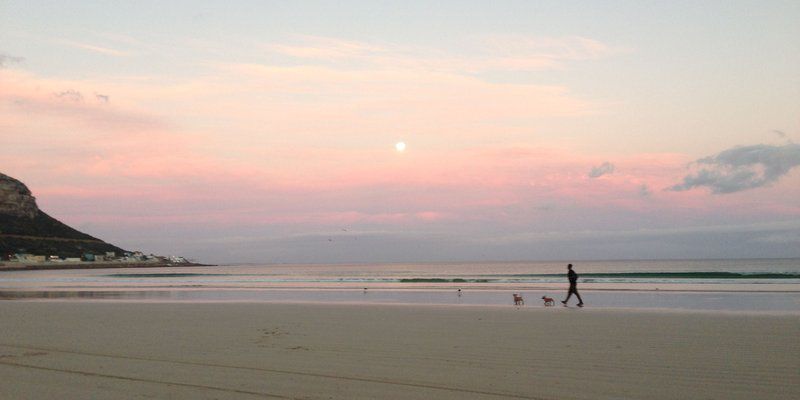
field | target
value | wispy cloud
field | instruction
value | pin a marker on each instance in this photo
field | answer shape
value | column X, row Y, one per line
column 64, row 103
column 519, row 52
column 326, row 48
column 429, row 100
column 487, row 53
column 742, row 168
column 602, row 169
column 93, row 48
column 6, row 60
column 70, row 95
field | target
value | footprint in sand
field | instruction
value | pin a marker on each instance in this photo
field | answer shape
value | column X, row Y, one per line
column 268, row 336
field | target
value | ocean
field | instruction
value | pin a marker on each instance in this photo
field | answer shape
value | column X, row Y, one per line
column 749, row 285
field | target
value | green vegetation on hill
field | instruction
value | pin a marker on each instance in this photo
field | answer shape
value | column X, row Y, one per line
column 11, row 245
column 42, row 225
column 44, row 235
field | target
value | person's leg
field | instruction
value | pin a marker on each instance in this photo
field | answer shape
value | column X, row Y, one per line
column 578, row 295
column 569, row 294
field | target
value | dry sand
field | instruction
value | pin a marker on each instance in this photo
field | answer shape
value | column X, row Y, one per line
column 102, row 350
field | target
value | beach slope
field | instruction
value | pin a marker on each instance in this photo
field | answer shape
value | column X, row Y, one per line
column 313, row 351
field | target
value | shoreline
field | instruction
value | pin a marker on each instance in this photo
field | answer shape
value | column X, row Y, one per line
column 712, row 302
column 440, row 307
column 465, row 289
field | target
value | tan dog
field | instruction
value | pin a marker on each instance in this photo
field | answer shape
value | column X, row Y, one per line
column 548, row 301
column 518, row 301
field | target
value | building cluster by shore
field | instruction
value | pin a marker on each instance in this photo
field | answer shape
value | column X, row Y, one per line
column 88, row 260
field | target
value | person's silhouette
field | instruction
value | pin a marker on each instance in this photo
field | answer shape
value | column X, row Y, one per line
column 573, row 286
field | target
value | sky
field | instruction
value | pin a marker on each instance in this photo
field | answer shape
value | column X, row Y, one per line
column 267, row 132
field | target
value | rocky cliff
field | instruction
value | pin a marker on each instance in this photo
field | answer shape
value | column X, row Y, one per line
column 24, row 228
column 16, row 199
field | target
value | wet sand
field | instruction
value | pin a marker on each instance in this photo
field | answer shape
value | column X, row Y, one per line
column 118, row 350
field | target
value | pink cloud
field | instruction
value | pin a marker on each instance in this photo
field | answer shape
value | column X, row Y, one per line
column 251, row 144
column 93, row 48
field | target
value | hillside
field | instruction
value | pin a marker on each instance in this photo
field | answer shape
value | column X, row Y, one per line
column 24, row 228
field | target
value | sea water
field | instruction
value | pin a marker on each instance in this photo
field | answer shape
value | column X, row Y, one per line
column 758, row 285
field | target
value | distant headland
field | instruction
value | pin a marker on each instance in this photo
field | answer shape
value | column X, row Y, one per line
column 31, row 239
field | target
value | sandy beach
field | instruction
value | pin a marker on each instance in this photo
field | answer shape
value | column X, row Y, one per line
column 118, row 350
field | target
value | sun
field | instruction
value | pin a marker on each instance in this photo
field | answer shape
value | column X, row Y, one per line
column 400, row 146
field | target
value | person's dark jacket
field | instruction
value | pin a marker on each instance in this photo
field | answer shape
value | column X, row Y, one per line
column 573, row 277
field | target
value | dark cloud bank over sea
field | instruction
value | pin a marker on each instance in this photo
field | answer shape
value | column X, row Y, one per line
column 760, row 240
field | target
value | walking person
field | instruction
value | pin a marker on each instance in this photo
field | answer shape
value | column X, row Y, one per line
column 573, row 286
